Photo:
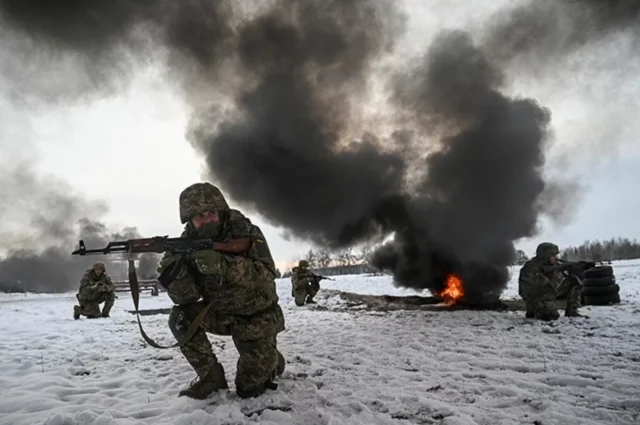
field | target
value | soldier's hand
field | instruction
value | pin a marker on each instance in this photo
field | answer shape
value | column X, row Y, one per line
column 208, row 262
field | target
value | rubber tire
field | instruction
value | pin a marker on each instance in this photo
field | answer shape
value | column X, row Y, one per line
column 599, row 281
column 598, row 291
column 598, row 271
column 603, row 300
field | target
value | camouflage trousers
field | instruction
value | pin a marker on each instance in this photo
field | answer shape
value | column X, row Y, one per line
column 543, row 307
column 91, row 309
column 305, row 290
column 255, row 339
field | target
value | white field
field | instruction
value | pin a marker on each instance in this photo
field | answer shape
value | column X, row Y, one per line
column 354, row 367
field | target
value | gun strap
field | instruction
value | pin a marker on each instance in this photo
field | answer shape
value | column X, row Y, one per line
column 135, row 294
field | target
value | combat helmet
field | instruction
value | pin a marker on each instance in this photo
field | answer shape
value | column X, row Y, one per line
column 303, row 264
column 546, row 250
column 199, row 198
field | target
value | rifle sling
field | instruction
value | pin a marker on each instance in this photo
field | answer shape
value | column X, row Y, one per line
column 135, row 294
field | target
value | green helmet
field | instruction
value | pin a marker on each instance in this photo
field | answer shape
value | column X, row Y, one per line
column 199, row 198
column 547, row 249
column 303, row 263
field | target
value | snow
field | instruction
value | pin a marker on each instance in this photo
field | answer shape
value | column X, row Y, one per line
column 344, row 367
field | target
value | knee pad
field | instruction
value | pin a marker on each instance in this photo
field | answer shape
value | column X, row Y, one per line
column 178, row 322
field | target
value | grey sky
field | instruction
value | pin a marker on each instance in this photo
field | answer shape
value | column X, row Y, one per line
column 130, row 149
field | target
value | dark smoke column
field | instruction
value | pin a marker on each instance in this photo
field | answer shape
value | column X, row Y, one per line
column 481, row 189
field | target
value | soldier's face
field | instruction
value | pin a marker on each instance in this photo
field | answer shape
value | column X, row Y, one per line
column 98, row 272
column 553, row 259
column 204, row 218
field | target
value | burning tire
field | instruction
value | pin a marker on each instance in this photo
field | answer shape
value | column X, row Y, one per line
column 599, row 281
column 603, row 299
column 597, row 291
column 598, row 271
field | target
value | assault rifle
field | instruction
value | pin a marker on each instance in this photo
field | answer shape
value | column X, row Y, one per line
column 158, row 245
column 575, row 268
column 319, row 277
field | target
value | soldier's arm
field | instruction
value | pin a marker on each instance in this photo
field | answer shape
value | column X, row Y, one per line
column 257, row 266
column 110, row 286
column 176, row 278
column 532, row 281
column 85, row 281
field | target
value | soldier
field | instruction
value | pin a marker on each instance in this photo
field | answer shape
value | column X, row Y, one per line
column 95, row 288
column 304, row 284
column 239, row 291
column 541, row 282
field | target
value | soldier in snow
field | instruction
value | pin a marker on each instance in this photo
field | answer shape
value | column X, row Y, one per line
column 239, row 292
column 304, row 284
column 95, row 288
column 541, row 282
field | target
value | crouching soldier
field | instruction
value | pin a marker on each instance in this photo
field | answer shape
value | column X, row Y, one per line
column 541, row 282
column 305, row 284
column 238, row 291
column 95, row 288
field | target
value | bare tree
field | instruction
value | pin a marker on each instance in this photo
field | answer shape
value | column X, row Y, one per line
column 312, row 258
column 365, row 253
column 521, row 257
column 324, row 258
column 346, row 257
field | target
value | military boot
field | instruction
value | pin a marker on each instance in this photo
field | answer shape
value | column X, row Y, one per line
column 76, row 312
column 310, row 300
column 281, row 364
column 105, row 311
column 203, row 386
column 572, row 312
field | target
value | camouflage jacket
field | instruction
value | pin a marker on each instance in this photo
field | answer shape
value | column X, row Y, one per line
column 537, row 279
column 246, row 284
column 92, row 286
column 301, row 276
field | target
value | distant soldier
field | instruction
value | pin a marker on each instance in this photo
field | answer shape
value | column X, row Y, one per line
column 304, row 284
column 95, row 288
column 541, row 282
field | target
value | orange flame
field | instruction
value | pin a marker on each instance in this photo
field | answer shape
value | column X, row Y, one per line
column 453, row 291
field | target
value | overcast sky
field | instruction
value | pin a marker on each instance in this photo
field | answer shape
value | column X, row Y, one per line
column 130, row 149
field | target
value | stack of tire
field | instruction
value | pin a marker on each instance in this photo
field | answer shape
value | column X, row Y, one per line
column 599, row 287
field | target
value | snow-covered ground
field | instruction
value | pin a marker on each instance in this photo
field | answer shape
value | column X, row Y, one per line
column 354, row 367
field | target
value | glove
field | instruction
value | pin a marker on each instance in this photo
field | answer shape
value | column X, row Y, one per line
column 209, row 262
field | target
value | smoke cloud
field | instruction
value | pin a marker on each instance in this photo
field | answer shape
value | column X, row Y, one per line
column 540, row 32
column 454, row 170
column 49, row 220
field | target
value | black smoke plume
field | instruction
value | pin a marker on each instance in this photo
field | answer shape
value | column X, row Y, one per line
column 543, row 31
column 480, row 191
column 46, row 221
column 454, row 170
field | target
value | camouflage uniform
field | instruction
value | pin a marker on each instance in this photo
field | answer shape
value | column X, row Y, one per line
column 242, row 293
column 94, row 290
column 304, row 284
column 541, row 283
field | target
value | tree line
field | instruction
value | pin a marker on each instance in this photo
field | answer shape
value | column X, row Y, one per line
column 608, row 250
column 323, row 258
